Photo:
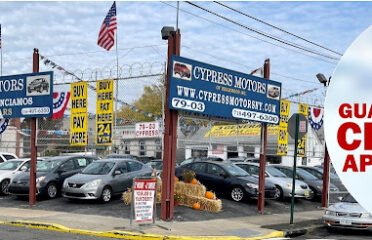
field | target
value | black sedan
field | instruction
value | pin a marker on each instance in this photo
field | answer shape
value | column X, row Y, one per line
column 50, row 175
column 315, row 184
column 226, row 179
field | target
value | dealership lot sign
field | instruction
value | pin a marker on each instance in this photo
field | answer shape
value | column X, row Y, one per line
column 79, row 114
column 144, row 196
column 26, row 95
column 105, row 112
column 207, row 89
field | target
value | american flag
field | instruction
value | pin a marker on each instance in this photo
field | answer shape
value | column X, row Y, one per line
column 106, row 36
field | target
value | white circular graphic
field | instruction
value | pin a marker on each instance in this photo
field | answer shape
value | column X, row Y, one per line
column 348, row 119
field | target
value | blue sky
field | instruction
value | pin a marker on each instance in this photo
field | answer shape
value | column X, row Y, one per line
column 66, row 31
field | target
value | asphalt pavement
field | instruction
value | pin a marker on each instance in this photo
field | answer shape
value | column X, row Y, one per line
column 116, row 208
column 16, row 233
column 347, row 234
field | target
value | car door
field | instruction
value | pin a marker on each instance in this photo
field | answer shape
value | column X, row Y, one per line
column 121, row 182
column 136, row 170
column 65, row 170
column 216, row 178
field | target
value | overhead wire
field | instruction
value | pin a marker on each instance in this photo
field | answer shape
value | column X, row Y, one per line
column 263, row 33
column 249, row 35
column 278, row 28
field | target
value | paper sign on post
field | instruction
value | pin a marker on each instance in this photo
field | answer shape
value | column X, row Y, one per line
column 144, row 199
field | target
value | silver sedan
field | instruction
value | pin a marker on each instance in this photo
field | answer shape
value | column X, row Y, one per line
column 347, row 214
column 104, row 178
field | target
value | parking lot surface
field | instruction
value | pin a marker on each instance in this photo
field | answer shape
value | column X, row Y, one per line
column 116, row 208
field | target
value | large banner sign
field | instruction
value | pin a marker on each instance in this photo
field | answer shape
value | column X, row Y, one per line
column 301, row 147
column 105, row 112
column 27, row 95
column 79, row 114
column 282, row 148
column 207, row 89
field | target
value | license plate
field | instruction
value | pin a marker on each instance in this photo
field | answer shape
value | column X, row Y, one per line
column 307, row 193
column 345, row 222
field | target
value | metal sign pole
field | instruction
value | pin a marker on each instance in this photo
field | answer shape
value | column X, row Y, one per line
column 132, row 203
column 32, row 190
column 294, row 168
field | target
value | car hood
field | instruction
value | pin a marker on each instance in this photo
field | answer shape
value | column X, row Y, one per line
column 347, row 207
column 285, row 180
column 319, row 182
column 84, row 178
column 25, row 176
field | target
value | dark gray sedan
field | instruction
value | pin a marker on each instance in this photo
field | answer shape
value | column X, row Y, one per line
column 102, row 179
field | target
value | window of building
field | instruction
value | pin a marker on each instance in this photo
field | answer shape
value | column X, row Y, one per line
column 142, row 148
column 126, row 147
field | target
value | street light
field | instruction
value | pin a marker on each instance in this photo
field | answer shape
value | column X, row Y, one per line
column 166, row 31
column 322, row 79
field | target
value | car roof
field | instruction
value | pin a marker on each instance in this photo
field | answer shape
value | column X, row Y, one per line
column 60, row 158
column 248, row 163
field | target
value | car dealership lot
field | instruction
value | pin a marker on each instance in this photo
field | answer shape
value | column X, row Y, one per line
column 116, row 208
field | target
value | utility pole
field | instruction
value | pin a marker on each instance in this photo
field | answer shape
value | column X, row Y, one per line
column 326, row 167
column 261, row 181
column 170, row 135
column 32, row 193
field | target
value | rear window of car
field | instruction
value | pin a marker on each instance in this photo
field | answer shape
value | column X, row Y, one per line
column 198, row 167
column 8, row 157
column 10, row 165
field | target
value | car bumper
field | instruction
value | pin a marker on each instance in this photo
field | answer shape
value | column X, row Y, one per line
column 299, row 192
column 82, row 193
column 21, row 190
column 348, row 223
column 253, row 193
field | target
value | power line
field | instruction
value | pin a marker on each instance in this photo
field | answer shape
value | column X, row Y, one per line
column 278, row 28
column 257, row 38
column 264, row 34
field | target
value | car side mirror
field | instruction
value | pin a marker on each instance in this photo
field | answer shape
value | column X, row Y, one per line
column 117, row 172
column 23, row 168
column 224, row 175
column 339, row 198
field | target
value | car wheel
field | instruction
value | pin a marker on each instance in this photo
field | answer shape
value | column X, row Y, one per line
column 106, row 195
column 237, row 194
column 52, row 190
column 278, row 193
column 4, row 186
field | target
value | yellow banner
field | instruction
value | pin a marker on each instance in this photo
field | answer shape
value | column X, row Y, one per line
column 79, row 114
column 104, row 112
column 282, row 147
column 301, row 147
column 244, row 130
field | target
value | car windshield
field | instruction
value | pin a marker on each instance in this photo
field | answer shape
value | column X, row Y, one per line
column 235, row 171
column 10, row 165
column 46, row 166
column 349, row 199
column 98, row 168
column 306, row 175
column 275, row 172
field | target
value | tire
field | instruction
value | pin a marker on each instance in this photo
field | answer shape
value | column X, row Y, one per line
column 52, row 190
column 106, row 194
column 237, row 194
column 278, row 193
column 4, row 186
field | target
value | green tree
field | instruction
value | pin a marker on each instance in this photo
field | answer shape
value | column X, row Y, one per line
column 150, row 101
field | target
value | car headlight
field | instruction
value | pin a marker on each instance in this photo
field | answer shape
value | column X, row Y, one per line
column 289, row 185
column 252, row 185
column 320, row 187
column 330, row 213
column 65, row 183
column 92, row 184
column 366, row 215
column 40, row 179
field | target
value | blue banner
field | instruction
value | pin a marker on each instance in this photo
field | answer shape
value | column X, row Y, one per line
column 26, row 95
column 206, row 89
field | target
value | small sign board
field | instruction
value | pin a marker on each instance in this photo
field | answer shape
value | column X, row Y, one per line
column 302, row 126
column 26, row 95
column 207, row 89
column 144, row 199
column 147, row 129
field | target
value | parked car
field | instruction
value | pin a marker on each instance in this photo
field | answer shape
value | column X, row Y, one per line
column 102, row 179
column 156, row 164
column 315, row 184
column 38, row 85
column 50, row 175
column 145, row 159
column 318, row 172
column 6, row 156
column 347, row 214
column 282, row 183
column 226, row 179
column 121, row 156
column 7, row 171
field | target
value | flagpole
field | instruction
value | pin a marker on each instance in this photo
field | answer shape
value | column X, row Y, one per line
column 178, row 10
column 117, row 85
